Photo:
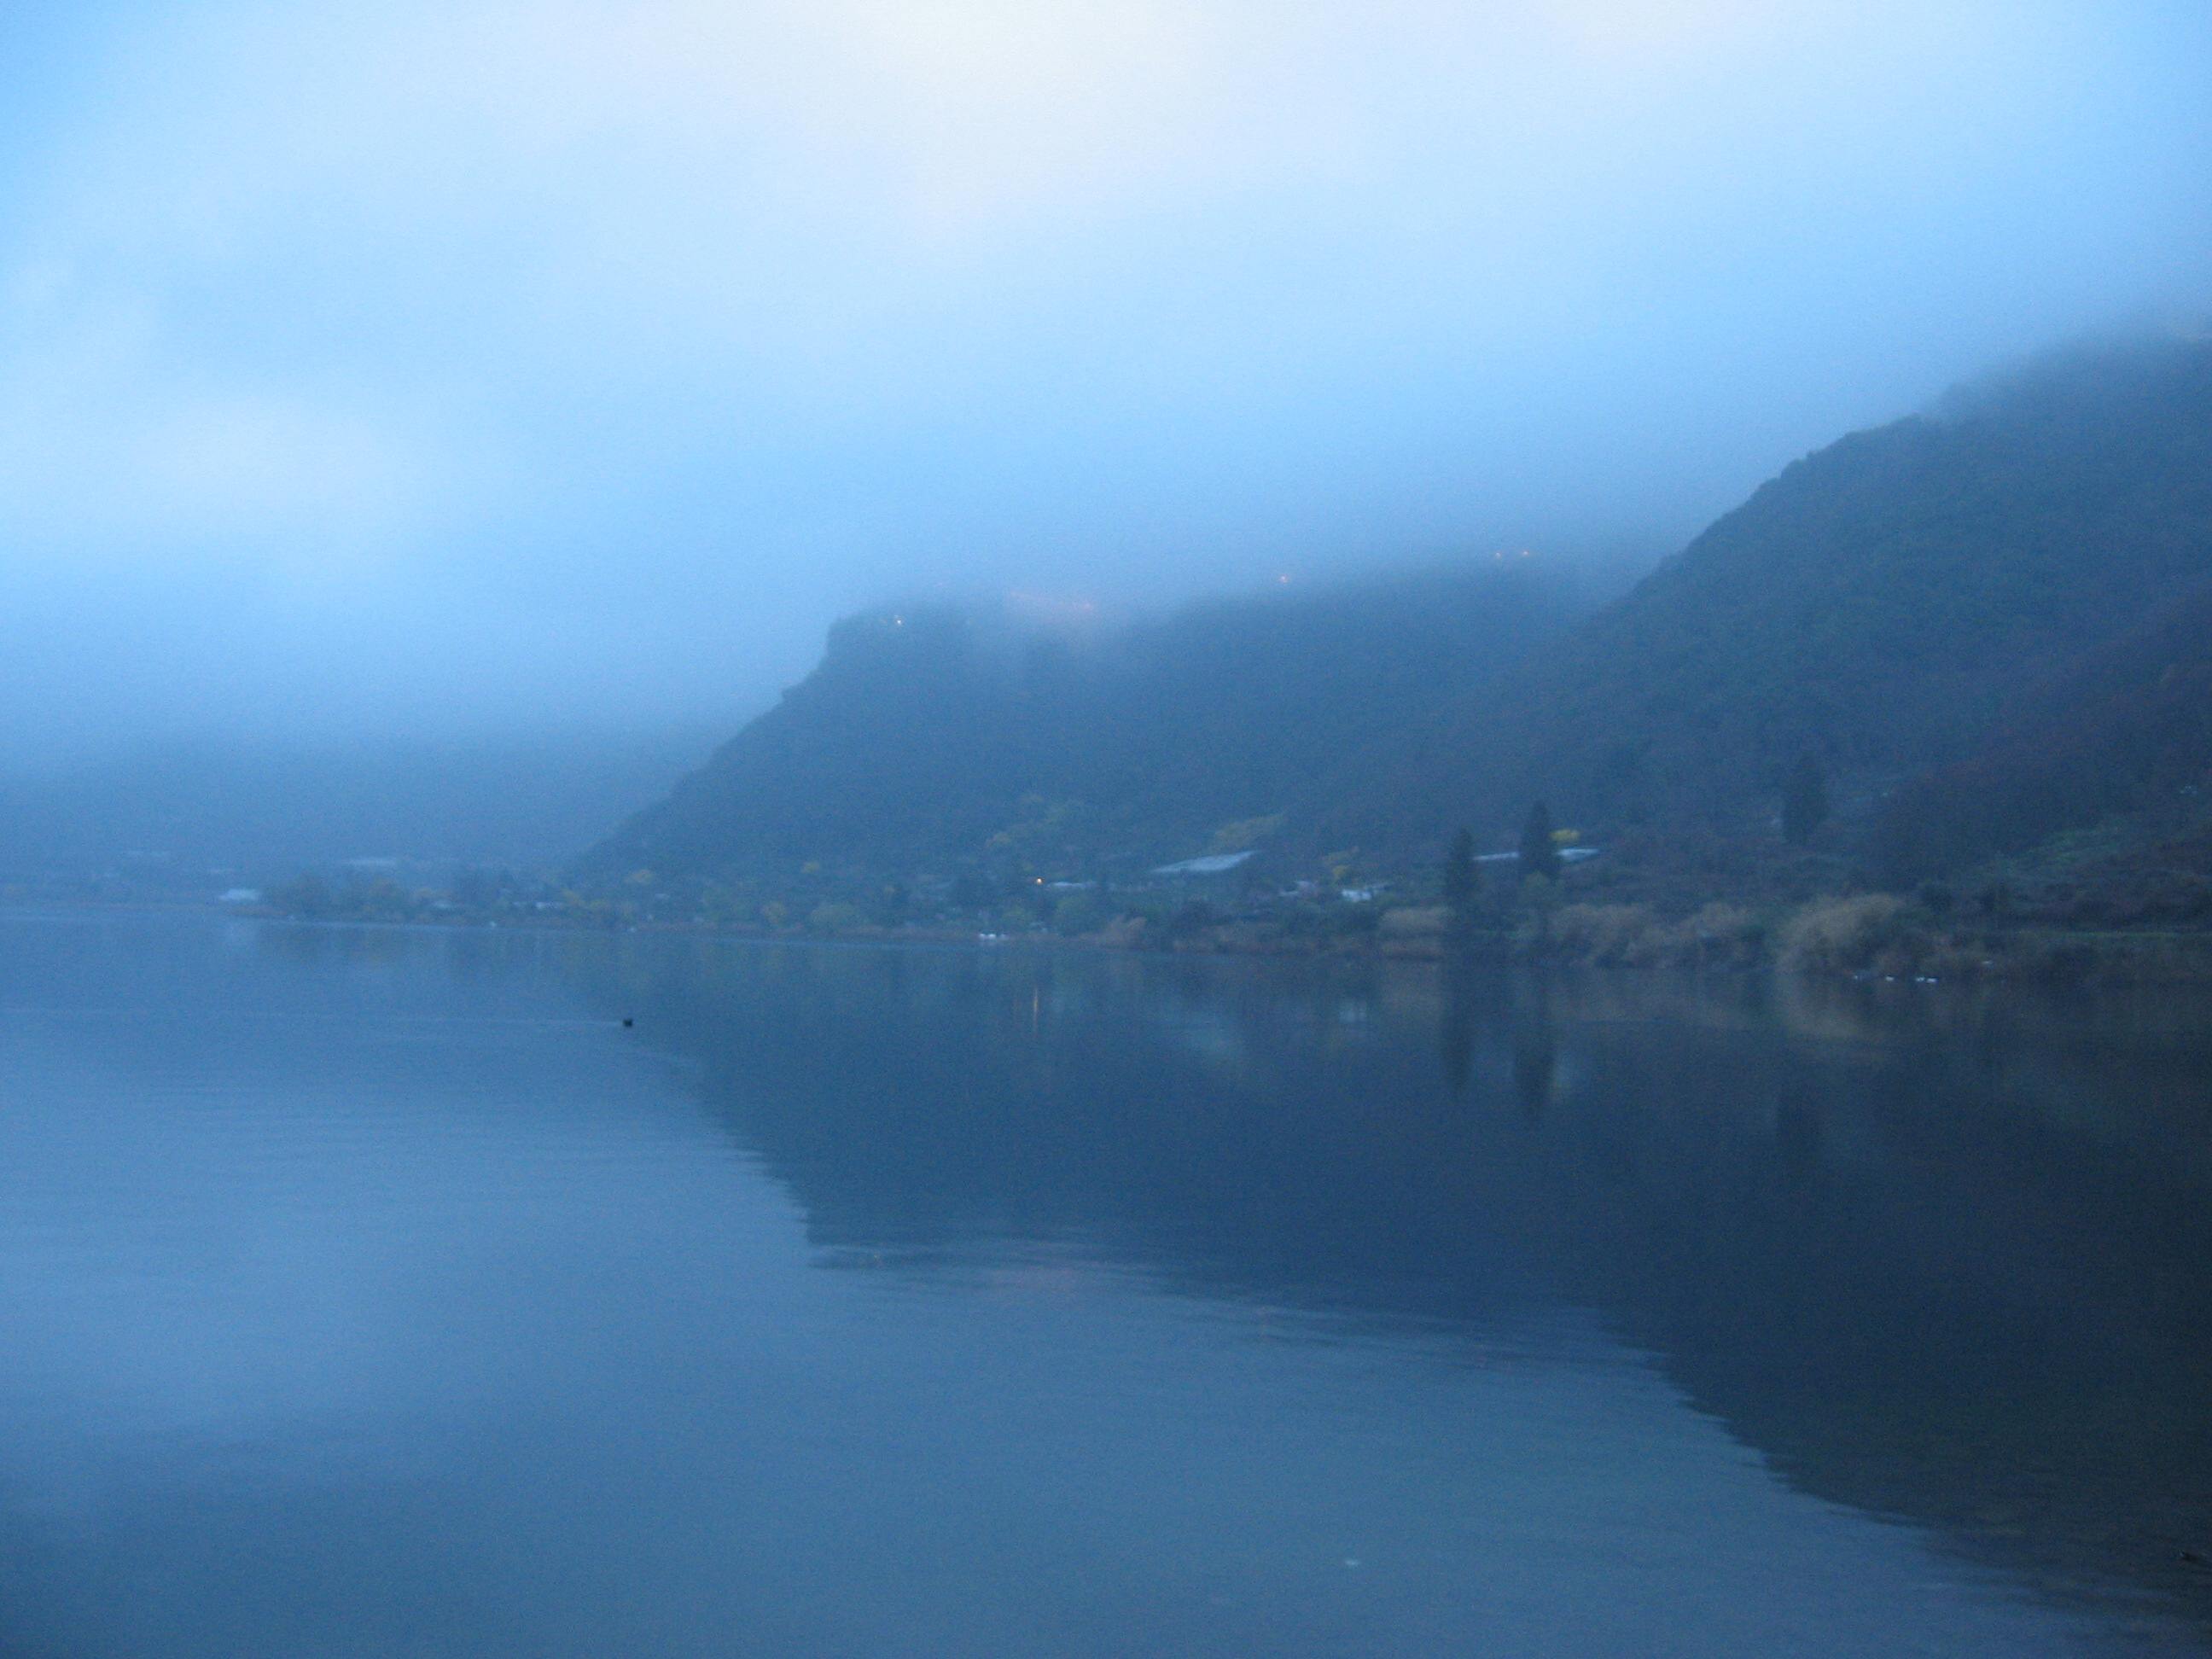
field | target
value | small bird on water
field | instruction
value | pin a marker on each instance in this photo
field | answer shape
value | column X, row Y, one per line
column 627, row 1022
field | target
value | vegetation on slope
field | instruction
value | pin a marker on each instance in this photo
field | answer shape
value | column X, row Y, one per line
column 944, row 738
column 1964, row 655
column 2125, row 734
column 1879, row 604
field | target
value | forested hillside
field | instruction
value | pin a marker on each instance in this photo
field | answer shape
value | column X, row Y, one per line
column 1881, row 604
column 932, row 738
column 2001, row 599
column 2123, row 739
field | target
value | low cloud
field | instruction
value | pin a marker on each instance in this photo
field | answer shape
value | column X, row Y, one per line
column 684, row 325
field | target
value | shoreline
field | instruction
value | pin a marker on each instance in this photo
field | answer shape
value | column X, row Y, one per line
column 1891, row 945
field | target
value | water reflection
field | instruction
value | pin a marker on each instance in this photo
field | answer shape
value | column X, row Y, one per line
column 858, row 1300
column 1937, row 1257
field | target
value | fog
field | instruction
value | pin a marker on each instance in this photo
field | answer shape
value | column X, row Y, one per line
column 409, row 370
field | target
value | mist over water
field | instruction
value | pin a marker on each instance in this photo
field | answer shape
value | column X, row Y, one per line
column 710, row 501
column 418, row 371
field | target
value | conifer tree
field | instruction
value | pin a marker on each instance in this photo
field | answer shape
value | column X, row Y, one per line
column 1540, row 854
column 1462, row 882
column 1804, row 800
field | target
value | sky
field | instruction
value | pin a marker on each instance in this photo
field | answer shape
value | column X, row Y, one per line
column 491, row 365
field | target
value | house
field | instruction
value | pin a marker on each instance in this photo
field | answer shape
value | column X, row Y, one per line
column 1212, row 863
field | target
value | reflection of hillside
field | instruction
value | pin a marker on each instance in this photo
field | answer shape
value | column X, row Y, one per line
column 1939, row 1262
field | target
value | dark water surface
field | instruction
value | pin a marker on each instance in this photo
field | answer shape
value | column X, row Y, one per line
column 376, row 1293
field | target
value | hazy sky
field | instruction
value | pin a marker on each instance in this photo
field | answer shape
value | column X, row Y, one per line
column 479, row 363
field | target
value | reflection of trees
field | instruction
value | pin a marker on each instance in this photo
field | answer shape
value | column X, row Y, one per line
column 333, row 945
column 1797, row 1133
column 1535, row 1066
column 1455, row 1028
column 1920, row 1280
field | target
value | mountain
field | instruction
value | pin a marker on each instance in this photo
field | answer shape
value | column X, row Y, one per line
column 2126, row 734
column 1904, row 603
column 1883, row 603
column 932, row 738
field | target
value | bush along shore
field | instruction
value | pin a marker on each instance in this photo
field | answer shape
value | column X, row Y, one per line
column 1578, row 915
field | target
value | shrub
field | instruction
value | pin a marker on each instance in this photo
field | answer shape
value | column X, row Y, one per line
column 1078, row 913
column 1721, row 933
column 1123, row 932
column 1606, row 933
column 1351, row 920
column 1408, row 923
column 1188, row 919
column 1841, row 935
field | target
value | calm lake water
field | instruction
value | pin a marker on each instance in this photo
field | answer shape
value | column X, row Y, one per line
column 377, row 1292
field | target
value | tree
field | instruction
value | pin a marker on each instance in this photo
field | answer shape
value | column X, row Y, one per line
column 478, row 888
column 1804, row 800
column 1076, row 914
column 888, row 905
column 1456, row 1035
column 307, row 895
column 1462, row 882
column 1540, row 854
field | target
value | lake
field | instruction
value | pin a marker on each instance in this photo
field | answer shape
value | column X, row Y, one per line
column 380, row 1292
